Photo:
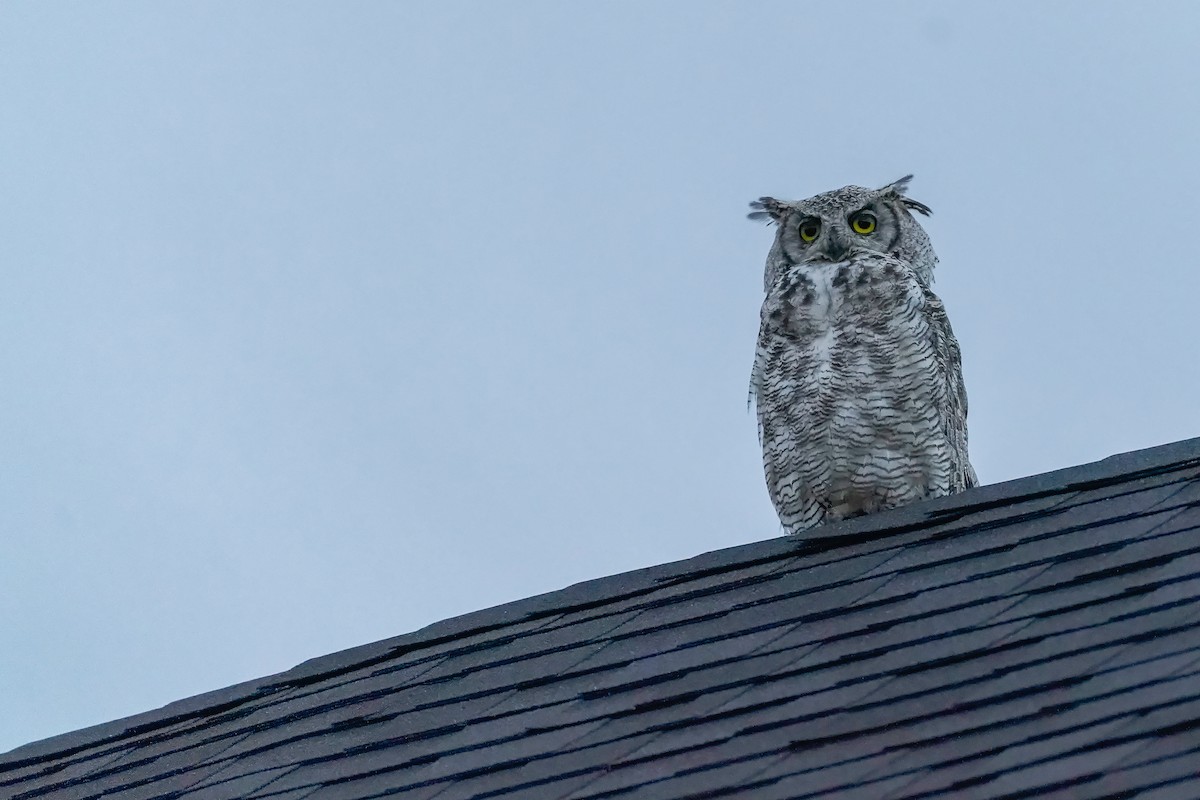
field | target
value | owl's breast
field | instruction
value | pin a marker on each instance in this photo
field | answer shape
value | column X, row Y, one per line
column 849, row 384
column 827, row 307
column 844, row 349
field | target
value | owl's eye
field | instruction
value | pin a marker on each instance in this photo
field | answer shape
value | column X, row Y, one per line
column 863, row 222
column 809, row 230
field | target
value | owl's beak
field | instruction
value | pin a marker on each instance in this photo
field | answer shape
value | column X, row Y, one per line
column 836, row 248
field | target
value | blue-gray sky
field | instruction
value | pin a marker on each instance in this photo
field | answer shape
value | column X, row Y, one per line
column 324, row 321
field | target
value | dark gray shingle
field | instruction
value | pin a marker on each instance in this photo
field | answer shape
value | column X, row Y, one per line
column 1038, row 638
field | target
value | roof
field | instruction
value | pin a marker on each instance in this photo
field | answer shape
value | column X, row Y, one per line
column 1037, row 638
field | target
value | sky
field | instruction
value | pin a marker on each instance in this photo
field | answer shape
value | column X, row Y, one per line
column 322, row 322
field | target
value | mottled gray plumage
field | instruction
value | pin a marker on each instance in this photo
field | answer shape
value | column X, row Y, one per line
column 857, row 375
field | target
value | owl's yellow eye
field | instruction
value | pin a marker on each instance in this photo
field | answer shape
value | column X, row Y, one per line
column 809, row 230
column 863, row 222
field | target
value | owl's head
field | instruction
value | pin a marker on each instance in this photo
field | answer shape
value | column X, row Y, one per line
column 835, row 225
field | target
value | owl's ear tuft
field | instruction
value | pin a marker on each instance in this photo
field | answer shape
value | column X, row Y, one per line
column 897, row 189
column 915, row 205
column 768, row 209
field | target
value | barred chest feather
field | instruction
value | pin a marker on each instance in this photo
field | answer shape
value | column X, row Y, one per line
column 849, row 387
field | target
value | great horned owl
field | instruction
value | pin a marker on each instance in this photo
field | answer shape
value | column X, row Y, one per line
column 857, row 375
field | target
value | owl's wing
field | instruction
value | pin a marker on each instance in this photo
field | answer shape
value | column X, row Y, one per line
column 953, row 412
column 756, row 378
column 772, row 333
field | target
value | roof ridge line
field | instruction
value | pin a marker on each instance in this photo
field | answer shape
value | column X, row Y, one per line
column 1115, row 468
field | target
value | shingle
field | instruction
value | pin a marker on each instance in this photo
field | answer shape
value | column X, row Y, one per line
column 371, row 786
column 725, row 780
column 568, row 643
column 688, row 771
column 1181, row 477
column 712, row 676
column 127, row 776
column 373, row 681
column 298, row 794
column 66, row 770
column 1162, row 756
column 235, row 786
column 801, row 786
column 1039, row 638
column 546, row 775
column 1087, row 767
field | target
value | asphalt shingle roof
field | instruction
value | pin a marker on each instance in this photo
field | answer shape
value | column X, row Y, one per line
column 1037, row 638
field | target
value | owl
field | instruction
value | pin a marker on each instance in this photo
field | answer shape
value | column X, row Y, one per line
column 857, row 376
